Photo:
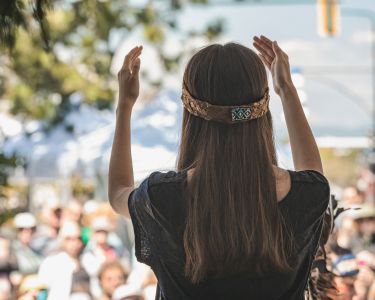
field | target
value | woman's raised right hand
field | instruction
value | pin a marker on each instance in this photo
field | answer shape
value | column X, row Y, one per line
column 276, row 60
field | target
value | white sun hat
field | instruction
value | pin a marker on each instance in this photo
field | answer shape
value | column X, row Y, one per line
column 24, row 220
column 101, row 223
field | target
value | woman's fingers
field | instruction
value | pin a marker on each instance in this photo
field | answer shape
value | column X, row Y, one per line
column 127, row 58
column 271, row 44
column 259, row 48
column 135, row 60
column 265, row 61
column 136, row 66
column 267, row 48
column 130, row 56
column 278, row 50
column 266, row 40
column 134, row 56
column 263, row 52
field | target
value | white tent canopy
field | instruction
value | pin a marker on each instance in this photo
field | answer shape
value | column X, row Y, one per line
column 65, row 149
column 82, row 143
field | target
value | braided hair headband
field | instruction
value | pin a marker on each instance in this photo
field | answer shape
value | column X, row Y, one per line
column 225, row 114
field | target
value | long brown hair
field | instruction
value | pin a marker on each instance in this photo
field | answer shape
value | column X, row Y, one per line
column 233, row 221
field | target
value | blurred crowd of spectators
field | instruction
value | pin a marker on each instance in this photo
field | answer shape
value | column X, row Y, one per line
column 351, row 248
column 79, row 251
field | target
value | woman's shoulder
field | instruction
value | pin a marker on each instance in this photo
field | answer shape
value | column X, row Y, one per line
column 289, row 181
column 163, row 193
column 154, row 183
column 309, row 185
column 308, row 176
column 165, row 177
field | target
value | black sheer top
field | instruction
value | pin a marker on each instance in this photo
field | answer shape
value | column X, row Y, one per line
column 158, row 213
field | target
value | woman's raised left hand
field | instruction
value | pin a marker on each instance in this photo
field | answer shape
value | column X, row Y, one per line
column 128, row 78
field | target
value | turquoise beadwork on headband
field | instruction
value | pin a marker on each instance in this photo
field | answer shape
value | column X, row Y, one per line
column 241, row 114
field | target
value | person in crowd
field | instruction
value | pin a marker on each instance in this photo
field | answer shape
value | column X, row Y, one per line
column 98, row 251
column 143, row 278
column 105, row 210
column 124, row 230
column 8, row 260
column 229, row 223
column 365, row 221
column 354, row 274
column 352, row 196
column 28, row 260
column 127, row 292
column 31, row 288
column 81, row 287
column 62, row 272
column 89, row 210
column 357, row 229
column 371, row 293
column 72, row 211
column 111, row 276
column 366, row 275
column 150, row 286
column 5, row 287
column 139, row 275
column 45, row 239
column 345, row 267
column 8, row 265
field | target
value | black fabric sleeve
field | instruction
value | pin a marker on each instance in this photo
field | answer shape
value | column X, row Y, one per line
column 152, row 229
column 311, row 195
column 317, row 191
column 137, row 204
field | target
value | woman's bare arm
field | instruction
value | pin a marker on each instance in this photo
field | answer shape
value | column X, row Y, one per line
column 304, row 149
column 121, row 177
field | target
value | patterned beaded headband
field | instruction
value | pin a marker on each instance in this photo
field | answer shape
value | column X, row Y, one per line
column 225, row 114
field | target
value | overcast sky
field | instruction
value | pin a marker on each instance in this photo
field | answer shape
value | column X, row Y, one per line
column 337, row 70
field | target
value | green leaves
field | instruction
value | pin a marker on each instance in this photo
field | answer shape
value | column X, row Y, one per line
column 154, row 33
column 11, row 17
column 79, row 38
column 16, row 13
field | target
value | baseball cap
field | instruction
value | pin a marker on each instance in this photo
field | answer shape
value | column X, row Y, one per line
column 345, row 265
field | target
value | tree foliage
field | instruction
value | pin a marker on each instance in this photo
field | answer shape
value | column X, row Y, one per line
column 7, row 164
column 55, row 54
column 16, row 13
